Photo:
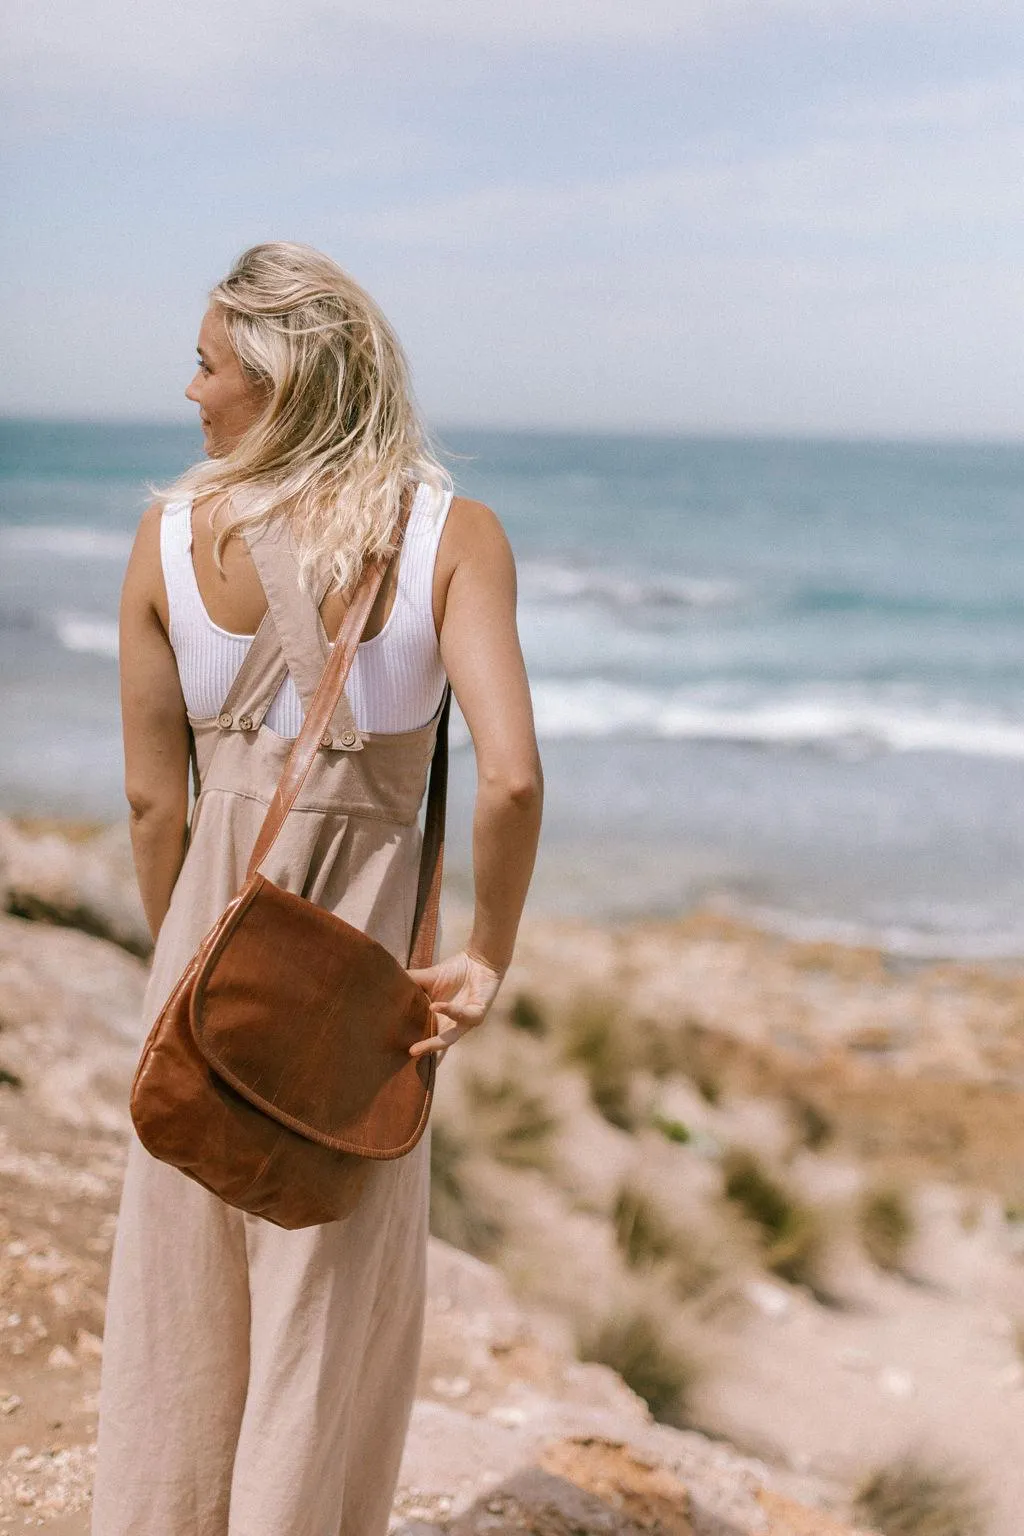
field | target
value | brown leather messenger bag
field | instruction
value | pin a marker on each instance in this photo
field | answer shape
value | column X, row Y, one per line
column 279, row 1067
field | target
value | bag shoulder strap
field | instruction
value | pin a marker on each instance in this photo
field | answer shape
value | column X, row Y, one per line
column 308, row 742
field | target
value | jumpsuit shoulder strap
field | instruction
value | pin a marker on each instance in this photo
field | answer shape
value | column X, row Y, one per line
column 295, row 615
column 256, row 682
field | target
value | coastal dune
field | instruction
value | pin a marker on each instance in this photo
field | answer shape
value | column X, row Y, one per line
column 730, row 1229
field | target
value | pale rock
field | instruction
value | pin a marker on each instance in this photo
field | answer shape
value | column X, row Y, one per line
column 87, row 884
column 896, row 1383
column 89, row 1345
column 451, row 1386
column 771, row 1300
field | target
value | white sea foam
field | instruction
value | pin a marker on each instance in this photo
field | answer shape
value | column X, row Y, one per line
column 70, row 543
column 595, row 709
column 87, row 632
column 979, row 940
column 543, row 581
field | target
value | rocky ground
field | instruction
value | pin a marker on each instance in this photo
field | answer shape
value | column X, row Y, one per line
column 802, row 1370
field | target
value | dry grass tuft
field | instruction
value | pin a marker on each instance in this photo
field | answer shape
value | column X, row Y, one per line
column 637, row 1340
column 642, row 1232
column 813, row 1127
column 526, row 1014
column 911, row 1498
column 885, row 1221
column 510, row 1122
column 792, row 1234
column 594, row 1038
column 457, row 1215
column 651, row 1241
column 708, row 1086
column 494, row 1113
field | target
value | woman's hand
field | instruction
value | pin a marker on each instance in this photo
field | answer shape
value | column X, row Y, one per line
column 461, row 989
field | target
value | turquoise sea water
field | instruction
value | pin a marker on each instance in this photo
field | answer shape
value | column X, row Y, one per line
column 780, row 676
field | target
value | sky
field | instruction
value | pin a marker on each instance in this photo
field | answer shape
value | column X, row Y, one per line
column 770, row 216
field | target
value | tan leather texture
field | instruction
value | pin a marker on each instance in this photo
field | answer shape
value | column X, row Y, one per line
column 363, row 1093
column 279, row 1066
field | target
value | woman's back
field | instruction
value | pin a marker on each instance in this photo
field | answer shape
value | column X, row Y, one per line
column 397, row 678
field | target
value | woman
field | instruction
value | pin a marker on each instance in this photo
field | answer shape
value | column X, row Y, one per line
column 257, row 1381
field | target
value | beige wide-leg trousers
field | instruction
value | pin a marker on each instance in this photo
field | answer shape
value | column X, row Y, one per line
column 259, row 1382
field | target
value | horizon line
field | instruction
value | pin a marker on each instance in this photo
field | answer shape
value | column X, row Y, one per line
column 693, row 433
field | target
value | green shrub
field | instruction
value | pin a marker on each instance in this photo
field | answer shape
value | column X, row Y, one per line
column 672, row 1130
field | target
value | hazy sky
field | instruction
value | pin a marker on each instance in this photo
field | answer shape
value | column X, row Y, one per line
column 779, row 215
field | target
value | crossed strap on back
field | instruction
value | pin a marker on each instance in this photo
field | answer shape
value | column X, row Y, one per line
column 288, row 640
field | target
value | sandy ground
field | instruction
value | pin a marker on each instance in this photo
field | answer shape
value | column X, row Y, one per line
column 918, row 1074
column 510, row 1434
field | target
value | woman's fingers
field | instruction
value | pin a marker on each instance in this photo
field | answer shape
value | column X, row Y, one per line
column 439, row 1043
column 461, row 989
column 461, row 1013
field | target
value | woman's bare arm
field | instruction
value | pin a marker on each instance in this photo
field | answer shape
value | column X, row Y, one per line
column 482, row 656
column 155, row 726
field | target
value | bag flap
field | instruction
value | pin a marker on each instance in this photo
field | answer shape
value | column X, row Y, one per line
column 311, row 1021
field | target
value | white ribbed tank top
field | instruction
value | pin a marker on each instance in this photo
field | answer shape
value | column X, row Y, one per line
column 397, row 678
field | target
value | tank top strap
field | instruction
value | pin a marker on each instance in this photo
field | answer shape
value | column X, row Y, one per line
column 184, row 603
column 296, row 619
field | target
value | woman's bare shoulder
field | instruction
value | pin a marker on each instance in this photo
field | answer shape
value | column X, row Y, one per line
column 474, row 545
column 473, row 529
column 146, row 548
column 144, row 579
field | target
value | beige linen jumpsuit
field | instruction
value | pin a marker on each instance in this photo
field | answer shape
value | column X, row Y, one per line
column 256, row 1381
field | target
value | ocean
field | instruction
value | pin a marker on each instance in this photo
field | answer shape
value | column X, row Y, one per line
column 784, row 679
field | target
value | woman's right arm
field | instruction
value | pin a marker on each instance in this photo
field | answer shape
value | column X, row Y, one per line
column 481, row 652
column 157, row 740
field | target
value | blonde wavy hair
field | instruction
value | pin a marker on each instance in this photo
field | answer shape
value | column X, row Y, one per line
column 340, row 437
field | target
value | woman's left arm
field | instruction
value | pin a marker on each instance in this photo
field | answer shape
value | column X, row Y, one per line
column 155, row 724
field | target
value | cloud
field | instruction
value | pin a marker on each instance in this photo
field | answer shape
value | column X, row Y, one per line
column 865, row 172
column 867, row 275
column 117, row 40
column 808, row 228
